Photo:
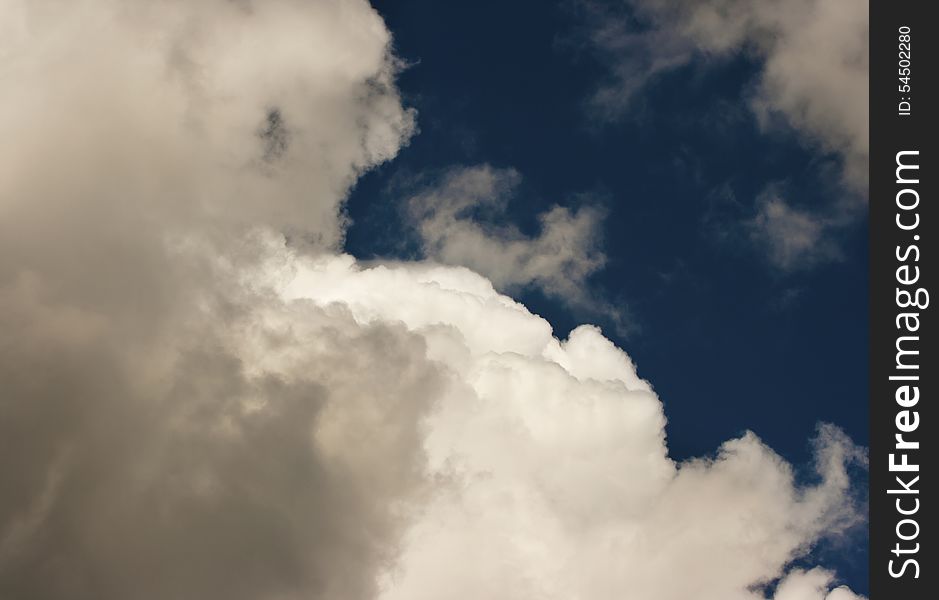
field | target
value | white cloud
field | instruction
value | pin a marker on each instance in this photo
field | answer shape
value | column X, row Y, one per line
column 194, row 409
column 176, row 100
column 813, row 63
column 551, row 469
column 813, row 54
column 558, row 260
column 811, row 585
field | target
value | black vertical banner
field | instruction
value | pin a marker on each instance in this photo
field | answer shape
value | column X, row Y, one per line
column 903, row 224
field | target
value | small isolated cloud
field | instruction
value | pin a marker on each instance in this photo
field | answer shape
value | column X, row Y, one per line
column 792, row 238
column 463, row 220
column 788, row 237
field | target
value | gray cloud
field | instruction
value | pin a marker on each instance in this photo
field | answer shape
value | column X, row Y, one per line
column 145, row 453
column 211, row 480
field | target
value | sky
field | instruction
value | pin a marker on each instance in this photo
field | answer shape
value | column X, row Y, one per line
column 324, row 299
column 733, row 333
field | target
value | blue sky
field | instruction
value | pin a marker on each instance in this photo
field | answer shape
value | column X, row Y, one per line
column 730, row 340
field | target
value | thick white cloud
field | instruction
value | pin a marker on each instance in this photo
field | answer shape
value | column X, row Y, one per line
column 551, row 472
column 194, row 407
column 212, row 114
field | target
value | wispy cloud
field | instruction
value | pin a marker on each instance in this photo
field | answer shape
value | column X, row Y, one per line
column 812, row 58
column 462, row 219
column 791, row 237
column 813, row 55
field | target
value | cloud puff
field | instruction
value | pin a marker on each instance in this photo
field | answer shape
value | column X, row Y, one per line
column 202, row 398
column 551, row 472
column 462, row 220
column 147, row 450
column 211, row 115
column 793, row 238
column 811, row 585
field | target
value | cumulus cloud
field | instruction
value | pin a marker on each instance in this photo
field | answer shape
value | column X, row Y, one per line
column 811, row 585
column 147, row 450
column 203, row 398
column 552, row 478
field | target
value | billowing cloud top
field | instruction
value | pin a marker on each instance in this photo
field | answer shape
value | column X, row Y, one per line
column 203, row 398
